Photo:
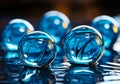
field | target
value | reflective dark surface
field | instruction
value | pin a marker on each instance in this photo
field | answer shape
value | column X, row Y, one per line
column 37, row 76
column 107, row 71
column 79, row 12
column 83, row 75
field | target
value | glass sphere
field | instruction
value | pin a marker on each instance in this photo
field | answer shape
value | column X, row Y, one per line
column 83, row 45
column 14, row 31
column 55, row 24
column 37, row 49
column 108, row 27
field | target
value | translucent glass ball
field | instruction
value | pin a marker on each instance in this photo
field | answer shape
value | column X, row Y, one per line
column 14, row 31
column 108, row 27
column 83, row 45
column 55, row 24
column 37, row 49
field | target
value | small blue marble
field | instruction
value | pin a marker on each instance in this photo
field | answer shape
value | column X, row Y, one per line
column 108, row 27
column 37, row 49
column 83, row 45
column 55, row 24
column 13, row 32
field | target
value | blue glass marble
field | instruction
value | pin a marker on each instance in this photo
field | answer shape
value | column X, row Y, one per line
column 108, row 27
column 55, row 24
column 37, row 49
column 83, row 45
column 14, row 31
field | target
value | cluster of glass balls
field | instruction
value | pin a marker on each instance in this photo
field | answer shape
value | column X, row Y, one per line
column 82, row 44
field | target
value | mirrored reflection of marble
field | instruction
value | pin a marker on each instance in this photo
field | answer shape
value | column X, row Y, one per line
column 37, row 76
column 59, row 56
column 110, row 73
column 12, row 58
column 110, row 68
column 9, row 73
column 101, row 74
column 82, row 75
column 108, row 56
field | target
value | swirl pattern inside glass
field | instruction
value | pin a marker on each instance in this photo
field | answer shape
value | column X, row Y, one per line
column 37, row 49
column 83, row 45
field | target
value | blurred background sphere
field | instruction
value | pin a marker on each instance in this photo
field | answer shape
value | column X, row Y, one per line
column 56, row 24
column 13, row 32
column 108, row 27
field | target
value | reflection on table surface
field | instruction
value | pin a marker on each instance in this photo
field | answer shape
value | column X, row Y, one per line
column 107, row 71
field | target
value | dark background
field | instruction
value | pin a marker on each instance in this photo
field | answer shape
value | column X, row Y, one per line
column 78, row 11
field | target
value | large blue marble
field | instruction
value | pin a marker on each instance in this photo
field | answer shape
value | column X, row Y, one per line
column 83, row 45
column 37, row 49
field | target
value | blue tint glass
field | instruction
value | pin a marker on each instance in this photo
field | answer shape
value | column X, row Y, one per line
column 82, row 75
column 36, row 49
column 14, row 31
column 11, row 73
column 12, row 58
column 108, row 27
column 108, row 56
column 59, row 56
column 34, row 76
column 55, row 24
column 83, row 45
